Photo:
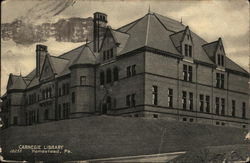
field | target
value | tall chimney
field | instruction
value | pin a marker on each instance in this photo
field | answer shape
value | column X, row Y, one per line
column 41, row 51
column 100, row 24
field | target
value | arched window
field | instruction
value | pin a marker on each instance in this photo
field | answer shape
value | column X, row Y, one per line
column 101, row 78
column 116, row 74
column 108, row 76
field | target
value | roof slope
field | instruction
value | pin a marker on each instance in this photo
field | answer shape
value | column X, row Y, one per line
column 86, row 56
column 16, row 82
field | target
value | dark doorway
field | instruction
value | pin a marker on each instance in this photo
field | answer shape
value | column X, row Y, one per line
column 104, row 108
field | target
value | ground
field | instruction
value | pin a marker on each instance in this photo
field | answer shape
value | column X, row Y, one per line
column 108, row 136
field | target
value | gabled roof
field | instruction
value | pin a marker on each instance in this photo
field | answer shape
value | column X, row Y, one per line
column 210, row 48
column 177, row 38
column 16, row 82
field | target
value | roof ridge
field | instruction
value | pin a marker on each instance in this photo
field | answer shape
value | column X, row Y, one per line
column 72, row 50
column 162, row 23
column 147, row 32
column 130, row 23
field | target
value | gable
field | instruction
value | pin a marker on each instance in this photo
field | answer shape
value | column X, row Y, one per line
column 47, row 70
column 109, row 41
column 220, row 48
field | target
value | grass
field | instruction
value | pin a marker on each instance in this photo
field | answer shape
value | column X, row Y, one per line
column 108, row 136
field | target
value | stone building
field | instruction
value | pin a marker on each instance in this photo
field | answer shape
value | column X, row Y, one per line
column 152, row 67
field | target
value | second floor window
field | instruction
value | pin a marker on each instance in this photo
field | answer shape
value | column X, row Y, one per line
column 128, row 71
column 201, row 103
column 217, row 105
column 133, row 70
column 233, row 108
column 207, row 104
column 170, row 97
column 108, row 76
column 184, row 100
column 116, row 74
column 73, row 97
column 243, row 110
column 191, row 101
column 154, row 95
column 128, row 102
column 187, row 73
column 222, row 106
column 83, row 80
column 220, row 80
column 102, row 78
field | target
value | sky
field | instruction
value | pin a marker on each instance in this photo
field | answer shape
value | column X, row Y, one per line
column 210, row 19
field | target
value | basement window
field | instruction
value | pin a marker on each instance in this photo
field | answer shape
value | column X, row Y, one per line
column 191, row 120
column 155, row 115
column 184, row 119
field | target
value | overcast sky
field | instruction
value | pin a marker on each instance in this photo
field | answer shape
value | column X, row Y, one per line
column 211, row 19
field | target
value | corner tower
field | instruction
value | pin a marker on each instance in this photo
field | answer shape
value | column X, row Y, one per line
column 83, row 84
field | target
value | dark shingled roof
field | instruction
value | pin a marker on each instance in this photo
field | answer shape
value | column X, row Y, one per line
column 16, row 82
column 86, row 56
column 152, row 30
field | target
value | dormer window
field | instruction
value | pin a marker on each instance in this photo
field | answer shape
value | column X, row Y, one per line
column 108, row 54
column 220, row 60
column 188, row 50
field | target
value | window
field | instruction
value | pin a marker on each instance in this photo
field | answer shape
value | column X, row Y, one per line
column 133, row 99
column 201, row 103
column 46, row 114
column 116, row 74
column 170, row 98
column 190, row 73
column 243, row 110
column 108, row 76
column 133, row 70
column 184, row 100
column 190, row 101
column 186, row 50
column 220, row 80
column 233, row 108
column 82, row 80
column 107, row 54
column 59, row 91
column 217, row 105
column 220, row 60
column 128, row 71
column 185, row 74
column 102, row 78
column 111, row 53
column 15, row 120
column 64, row 89
column 155, row 115
column 207, row 104
column 73, row 98
column 222, row 106
column 154, row 95
column 114, row 103
column 104, row 55
column 190, row 51
column 128, row 100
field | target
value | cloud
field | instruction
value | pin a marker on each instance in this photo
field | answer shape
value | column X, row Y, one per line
column 21, row 58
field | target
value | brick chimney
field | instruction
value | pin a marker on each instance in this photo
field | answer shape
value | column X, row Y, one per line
column 100, row 24
column 41, row 51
